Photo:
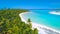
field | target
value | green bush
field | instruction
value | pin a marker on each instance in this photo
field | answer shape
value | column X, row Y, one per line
column 11, row 23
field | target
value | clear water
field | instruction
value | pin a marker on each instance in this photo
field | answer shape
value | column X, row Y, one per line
column 43, row 17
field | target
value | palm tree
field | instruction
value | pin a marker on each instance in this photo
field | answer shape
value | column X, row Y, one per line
column 29, row 22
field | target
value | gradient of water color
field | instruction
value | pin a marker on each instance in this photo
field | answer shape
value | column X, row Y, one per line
column 43, row 17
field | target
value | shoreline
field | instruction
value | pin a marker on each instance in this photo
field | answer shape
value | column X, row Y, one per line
column 38, row 26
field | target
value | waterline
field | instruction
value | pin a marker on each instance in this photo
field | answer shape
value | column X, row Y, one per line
column 38, row 26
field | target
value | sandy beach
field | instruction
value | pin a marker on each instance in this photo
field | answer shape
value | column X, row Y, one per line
column 41, row 28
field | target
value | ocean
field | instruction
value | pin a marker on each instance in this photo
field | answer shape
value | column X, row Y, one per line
column 45, row 17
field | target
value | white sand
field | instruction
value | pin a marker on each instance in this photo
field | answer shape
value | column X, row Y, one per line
column 38, row 26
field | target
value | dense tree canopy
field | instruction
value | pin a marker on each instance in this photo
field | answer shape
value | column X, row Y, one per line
column 11, row 23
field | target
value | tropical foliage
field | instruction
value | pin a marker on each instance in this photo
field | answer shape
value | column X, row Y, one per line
column 11, row 23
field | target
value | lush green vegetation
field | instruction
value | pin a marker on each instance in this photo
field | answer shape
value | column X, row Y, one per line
column 10, row 22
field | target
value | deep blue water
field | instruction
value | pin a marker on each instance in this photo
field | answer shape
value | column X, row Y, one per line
column 43, row 17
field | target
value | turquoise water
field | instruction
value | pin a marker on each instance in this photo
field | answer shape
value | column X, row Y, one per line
column 43, row 17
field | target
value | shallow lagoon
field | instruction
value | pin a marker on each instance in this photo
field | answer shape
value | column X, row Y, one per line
column 43, row 17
